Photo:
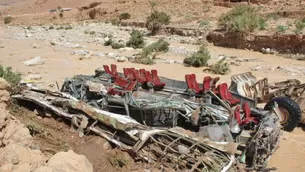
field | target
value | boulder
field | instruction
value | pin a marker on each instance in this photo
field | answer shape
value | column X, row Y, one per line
column 69, row 162
column 4, row 85
column 22, row 158
column 3, row 118
column 35, row 61
column 15, row 132
column 43, row 169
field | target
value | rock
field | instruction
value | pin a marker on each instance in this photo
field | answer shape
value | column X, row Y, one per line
column 121, row 59
column 15, row 154
column 99, row 54
column 33, row 77
column 43, row 169
column 15, row 132
column 24, row 167
column 111, row 55
column 35, row 46
column 28, row 35
column 3, row 118
column 4, row 96
column 81, row 52
column 1, row 135
column 22, row 158
column 53, row 43
column 69, row 162
column 4, row 85
column 35, row 61
column 6, row 167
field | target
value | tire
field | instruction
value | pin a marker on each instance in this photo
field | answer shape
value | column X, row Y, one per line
column 287, row 105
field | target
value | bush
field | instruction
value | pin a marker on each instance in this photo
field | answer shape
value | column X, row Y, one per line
column 136, row 40
column 221, row 67
column 145, row 57
column 204, row 23
column 160, row 46
column 116, row 45
column 299, row 26
column 8, row 19
column 281, row 29
column 51, row 27
column 198, row 59
column 124, row 16
column 69, row 27
column 149, row 52
column 156, row 20
column 11, row 77
column 241, row 19
column 262, row 24
column 115, row 22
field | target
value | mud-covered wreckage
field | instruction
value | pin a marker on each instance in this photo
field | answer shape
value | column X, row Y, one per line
column 164, row 124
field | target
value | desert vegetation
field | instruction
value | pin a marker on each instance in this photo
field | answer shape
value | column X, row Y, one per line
column 198, row 59
column 156, row 20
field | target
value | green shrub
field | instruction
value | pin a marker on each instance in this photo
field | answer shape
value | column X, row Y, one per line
column 204, row 23
column 149, row 52
column 198, row 59
column 262, row 24
column 115, row 22
column 116, row 45
column 11, row 77
column 299, row 26
column 156, row 20
column 221, row 67
column 160, row 46
column 145, row 57
column 241, row 19
column 136, row 40
column 59, row 28
column 51, row 27
column 8, row 19
column 69, row 28
column 124, row 16
column 281, row 29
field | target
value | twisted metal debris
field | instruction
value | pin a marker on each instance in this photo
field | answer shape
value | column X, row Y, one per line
column 168, row 148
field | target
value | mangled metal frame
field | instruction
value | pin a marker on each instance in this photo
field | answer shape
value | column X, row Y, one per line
column 248, row 88
column 169, row 148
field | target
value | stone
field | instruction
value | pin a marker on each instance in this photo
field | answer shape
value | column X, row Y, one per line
column 35, row 61
column 6, row 167
column 15, row 132
column 4, row 85
column 81, row 52
column 121, row 59
column 53, row 43
column 69, row 162
column 43, row 169
column 24, row 167
column 35, row 46
column 111, row 55
column 3, row 118
column 33, row 77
